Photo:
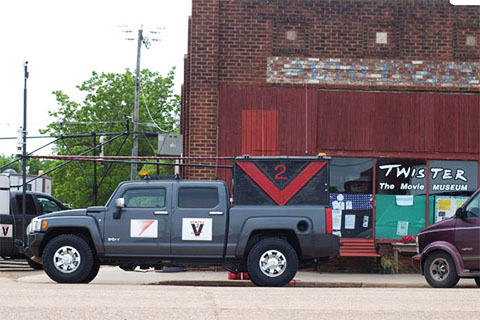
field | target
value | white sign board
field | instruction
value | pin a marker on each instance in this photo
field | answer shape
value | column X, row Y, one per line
column 402, row 228
column 6, row 231
column 143, row 228
column 4, row 195
column 350, row 221
column 197, row 229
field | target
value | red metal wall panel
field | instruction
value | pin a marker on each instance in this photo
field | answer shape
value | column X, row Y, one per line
column 260, row 132
column 373, row 124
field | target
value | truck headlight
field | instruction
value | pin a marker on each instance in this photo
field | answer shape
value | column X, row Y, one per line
column 30, row 227
column 35, row 225
column 416, row 245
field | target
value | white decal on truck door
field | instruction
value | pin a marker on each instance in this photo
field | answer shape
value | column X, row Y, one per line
column 197, row 229
column 143, row 228
column 6, row 231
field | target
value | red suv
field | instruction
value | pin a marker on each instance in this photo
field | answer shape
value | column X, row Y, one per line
column 450, row 249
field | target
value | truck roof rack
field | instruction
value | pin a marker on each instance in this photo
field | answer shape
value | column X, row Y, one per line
column 164, row 177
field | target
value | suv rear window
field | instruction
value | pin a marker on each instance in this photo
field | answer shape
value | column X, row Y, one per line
column 197, row 197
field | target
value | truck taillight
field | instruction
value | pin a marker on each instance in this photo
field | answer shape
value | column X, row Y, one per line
column 328, row 220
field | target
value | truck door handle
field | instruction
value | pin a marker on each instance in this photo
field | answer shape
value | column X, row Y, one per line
column 218, row 213
column 160, row 212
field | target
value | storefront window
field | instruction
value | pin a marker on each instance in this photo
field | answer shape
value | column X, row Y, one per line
column 401, row 186
column 351, row 186
column 450, row 184
column 351, row 175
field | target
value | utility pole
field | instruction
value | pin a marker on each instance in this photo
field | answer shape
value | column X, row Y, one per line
column 146, row 41
column 133, row 168
column 95, row 182
column 24, row 154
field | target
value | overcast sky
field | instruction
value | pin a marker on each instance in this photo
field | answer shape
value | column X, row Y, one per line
column 65, row 40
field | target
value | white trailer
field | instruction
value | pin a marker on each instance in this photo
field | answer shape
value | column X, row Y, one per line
column 43, row 184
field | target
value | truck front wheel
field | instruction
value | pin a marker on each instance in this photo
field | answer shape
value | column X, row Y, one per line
column 68, row 258
column 440, row 271
column 272, row 262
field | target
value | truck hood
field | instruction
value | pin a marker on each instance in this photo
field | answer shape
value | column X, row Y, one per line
column 64, row 213
column 447, row 223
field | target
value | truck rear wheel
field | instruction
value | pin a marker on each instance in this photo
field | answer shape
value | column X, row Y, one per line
column 440, row 271
column 272, row 262
column 68, row 258
column 34, row 265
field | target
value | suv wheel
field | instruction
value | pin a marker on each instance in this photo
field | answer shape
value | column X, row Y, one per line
column 68, row 259
column 440, row 271
column 272, row 262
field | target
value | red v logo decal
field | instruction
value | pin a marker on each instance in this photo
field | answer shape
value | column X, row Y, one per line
column 281, row 197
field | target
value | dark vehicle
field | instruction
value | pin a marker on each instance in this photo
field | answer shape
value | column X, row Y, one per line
column 450, row 249
column 10, row 224
column 275, row 227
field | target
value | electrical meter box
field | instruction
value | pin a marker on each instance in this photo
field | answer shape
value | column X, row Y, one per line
column 170, row 144
column 281, row 181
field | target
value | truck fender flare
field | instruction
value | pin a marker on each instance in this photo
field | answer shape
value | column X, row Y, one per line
column 448, row 248
column 252, row 225
column 82, row 222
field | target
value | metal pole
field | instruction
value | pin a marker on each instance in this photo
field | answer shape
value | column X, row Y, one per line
column 24, row 154
column 95, row 187
column 133, row 168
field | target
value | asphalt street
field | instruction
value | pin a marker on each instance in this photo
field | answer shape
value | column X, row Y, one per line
column 23, row 300
column 133, row 295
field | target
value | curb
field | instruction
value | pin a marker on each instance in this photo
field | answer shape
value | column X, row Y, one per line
column 242, row 283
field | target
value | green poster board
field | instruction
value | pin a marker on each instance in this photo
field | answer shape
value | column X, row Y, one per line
column 392, row 220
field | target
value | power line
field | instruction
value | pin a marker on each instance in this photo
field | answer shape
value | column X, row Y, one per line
column 150, row 115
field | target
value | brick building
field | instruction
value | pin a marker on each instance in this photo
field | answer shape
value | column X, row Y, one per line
column 388, row 88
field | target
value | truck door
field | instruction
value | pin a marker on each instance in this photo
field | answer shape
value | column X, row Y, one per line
column 6, row 219
column 143, row 225
column 199, row 219
column 32, row 210
column 467, row 234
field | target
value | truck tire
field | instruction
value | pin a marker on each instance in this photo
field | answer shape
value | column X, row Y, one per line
column 34, row 265
column 440, row 271
column 68, row 258
column 272, row 262
column 477, row 281
column 93, row 273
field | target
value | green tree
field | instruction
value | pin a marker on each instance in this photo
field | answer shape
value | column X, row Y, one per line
column 4, row 163
column 33, row 165
column 109, row 98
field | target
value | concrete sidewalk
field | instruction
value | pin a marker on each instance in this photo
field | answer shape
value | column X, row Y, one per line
column 114, row 275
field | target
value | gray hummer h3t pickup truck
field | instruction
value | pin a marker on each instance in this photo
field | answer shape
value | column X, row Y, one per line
column 11, row 217
column 280, row 222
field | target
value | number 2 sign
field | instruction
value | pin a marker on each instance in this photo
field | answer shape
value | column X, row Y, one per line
column 281, row 168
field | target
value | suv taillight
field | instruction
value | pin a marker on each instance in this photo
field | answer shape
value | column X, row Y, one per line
column 328, row 220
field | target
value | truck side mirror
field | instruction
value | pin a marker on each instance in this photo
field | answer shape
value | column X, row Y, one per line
column 119, row 204
column 460, row 213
